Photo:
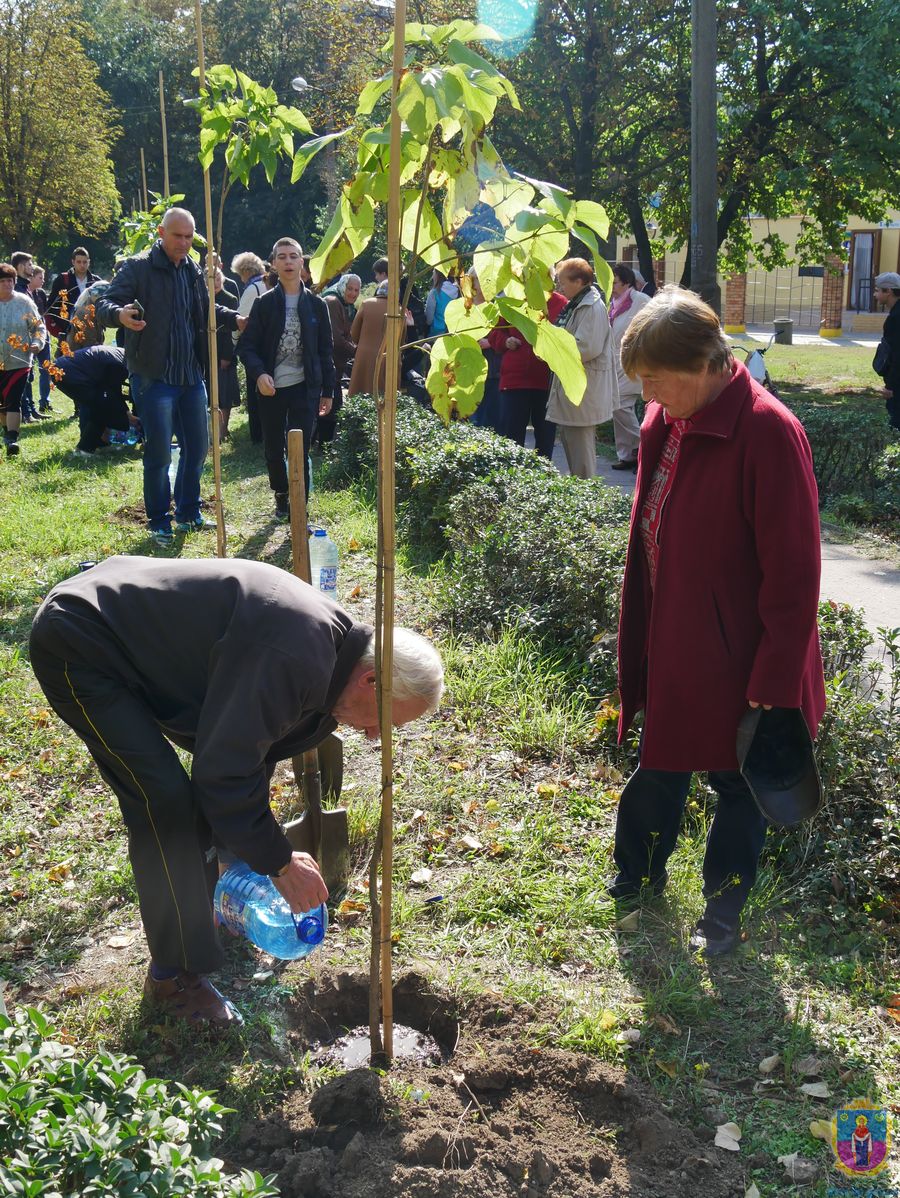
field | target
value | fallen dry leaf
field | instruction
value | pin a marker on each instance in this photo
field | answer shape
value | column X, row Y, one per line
column 753, row 1192
column 470, row 843
column 728, row 1136
column 770, row 1064
column 669, row 1068
column 547, row 790
column 351, row 909
column 816, row 1089
column 457, row 766
column 353, row 546
column 820, row 1130
column 665, row 1024
column 631, row 1035
column 355, row 593
column 893, row 1000
column 893, row 1012
column 607, row 1020
column 58, row 872
column 120, row 941
column 422, row 877
column 808, row 1066
column 630, row 922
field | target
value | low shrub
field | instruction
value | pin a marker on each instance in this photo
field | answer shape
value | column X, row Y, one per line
column 546, row 559
column 851, row 850
column 71, row 1128
column 847, row 444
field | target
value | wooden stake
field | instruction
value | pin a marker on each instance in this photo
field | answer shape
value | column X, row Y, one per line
column 211, row 322
column 297, row 498
column 165, row 136
column 144, row 181
column 395, row 327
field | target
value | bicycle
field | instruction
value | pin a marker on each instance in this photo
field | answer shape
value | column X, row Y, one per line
column 755, row 361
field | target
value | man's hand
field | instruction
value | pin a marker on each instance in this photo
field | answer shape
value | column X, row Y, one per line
column 128, row 318
column 302, row 886
column 242, row 322
column 265, row 384
column 325, row 405
column 764, row 706
column 513, row 343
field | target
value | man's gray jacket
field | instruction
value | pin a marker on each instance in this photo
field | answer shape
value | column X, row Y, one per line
column 239, row 662
column 150, row 279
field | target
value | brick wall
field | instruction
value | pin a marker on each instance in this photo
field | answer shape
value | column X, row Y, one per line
column 833, row 286
column 735, row 303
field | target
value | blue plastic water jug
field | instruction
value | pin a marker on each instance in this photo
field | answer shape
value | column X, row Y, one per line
column 249, row 904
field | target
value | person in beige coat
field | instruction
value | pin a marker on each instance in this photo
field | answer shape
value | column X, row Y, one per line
column 627, row 301
column 584, row 316
column 368, row 333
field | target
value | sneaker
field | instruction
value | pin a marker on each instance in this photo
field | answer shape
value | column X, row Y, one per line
column 164, row 537
column 198, row 525
column 282, row 507
column 713, row 937
column 12, row 449
column 47, row 407
column 194, row 999
column 82, row 453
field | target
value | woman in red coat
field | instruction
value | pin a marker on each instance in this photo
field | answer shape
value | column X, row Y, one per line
column 525, row 383
column 719, row 601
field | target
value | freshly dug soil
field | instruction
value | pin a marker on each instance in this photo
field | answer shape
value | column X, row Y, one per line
column 495, row 1118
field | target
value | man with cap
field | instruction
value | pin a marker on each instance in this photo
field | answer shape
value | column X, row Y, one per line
column 243, row 665
column 887, row 356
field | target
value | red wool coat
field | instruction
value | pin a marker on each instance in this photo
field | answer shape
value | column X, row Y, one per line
column 521, row 369
column 733, row 613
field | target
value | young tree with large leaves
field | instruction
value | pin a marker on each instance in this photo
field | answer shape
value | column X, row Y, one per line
column 56, row 128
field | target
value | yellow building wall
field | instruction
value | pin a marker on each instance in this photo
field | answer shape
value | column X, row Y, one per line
column 784, row 293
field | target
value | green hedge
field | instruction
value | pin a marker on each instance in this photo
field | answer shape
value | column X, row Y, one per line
column 847, row 446
column 546, row 559
column 75, row 1128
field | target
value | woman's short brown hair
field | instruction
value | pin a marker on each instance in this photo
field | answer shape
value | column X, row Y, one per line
column 8, row 271
column 576, row 268
column 675, row 331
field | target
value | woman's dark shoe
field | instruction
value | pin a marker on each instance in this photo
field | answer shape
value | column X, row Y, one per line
column 713, row 937
column 282, row 507
column 630, row 464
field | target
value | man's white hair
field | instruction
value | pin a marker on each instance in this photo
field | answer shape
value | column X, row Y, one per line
column 418, row 671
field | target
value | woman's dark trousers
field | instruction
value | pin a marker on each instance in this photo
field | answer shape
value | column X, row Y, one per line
column 647, row 824
column 289, row 407
column 518, row 409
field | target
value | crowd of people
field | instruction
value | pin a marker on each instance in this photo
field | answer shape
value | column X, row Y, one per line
column 718, row 643
column 301, row 352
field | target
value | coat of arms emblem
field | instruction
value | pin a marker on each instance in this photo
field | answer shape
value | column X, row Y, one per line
column 860, row 1138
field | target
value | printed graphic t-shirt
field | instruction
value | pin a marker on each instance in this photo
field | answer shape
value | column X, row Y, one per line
column 289, row 358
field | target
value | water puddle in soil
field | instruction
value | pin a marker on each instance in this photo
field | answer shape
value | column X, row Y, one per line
column 353, row 1049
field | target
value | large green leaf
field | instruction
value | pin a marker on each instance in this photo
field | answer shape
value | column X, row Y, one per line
column 466, row 56
column 559, row 350
column 309, row 149
column 420, row 229
column 493, row 269
column 294, row 119
column 463, row 316
column 456, row 375
column 592, row 214
column 372, row 93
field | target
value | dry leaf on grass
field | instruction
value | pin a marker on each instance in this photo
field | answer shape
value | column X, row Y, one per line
column 753, row 1192
column 728, row 1136
column 353, row 545
column 630, row 922
column 547, row 790
column 669, row 1068
column 120, row 941
column 770, row 1064
column 816, row 1089
column 470, row 843
column 667, row 1025
column 631, row 1035
column 808, row 1066
column 422, row 877
column 820, row 1130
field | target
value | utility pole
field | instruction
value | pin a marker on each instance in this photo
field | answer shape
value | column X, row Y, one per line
column 165, row 136
column 704, row 184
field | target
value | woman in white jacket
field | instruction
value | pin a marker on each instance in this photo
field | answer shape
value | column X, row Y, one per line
column 584, row 316
column 626, row 302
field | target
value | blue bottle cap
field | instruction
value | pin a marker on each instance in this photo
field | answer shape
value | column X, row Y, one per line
column 310, row 929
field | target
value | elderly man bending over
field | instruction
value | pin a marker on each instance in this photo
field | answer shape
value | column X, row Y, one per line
column 245, row 666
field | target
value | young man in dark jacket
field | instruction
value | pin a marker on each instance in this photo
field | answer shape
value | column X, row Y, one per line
column 243, row 665
column 94, row 378
column 887, row 292
column 160, row 299
column 67, row 287
column 288, row 347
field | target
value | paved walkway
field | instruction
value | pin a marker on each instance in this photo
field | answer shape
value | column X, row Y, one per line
column 848, row 576
column 762, row 332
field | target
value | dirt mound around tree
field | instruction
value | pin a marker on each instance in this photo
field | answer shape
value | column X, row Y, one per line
column 496, row 1117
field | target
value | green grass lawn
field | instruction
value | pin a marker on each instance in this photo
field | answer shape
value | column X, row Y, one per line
column 507, row 796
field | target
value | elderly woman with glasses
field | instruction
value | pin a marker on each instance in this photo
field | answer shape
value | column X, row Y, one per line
column 719, row 601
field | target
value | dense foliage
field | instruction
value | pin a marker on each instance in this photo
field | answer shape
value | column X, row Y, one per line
column 56, row 129
column 73, row 1128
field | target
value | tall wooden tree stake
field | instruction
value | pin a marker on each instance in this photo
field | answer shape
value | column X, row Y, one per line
column 165, row 135
column 395, row 328
column 211, row 323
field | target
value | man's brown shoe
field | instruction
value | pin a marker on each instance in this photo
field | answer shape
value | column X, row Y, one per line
column 193, row 998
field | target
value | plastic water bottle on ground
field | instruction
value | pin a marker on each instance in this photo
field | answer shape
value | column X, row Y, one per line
column 248, row 904
column 323, row 562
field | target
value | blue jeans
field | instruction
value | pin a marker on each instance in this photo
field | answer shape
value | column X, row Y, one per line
column 163, row 409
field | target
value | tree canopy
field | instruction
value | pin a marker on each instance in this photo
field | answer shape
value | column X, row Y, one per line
column 56, row 128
